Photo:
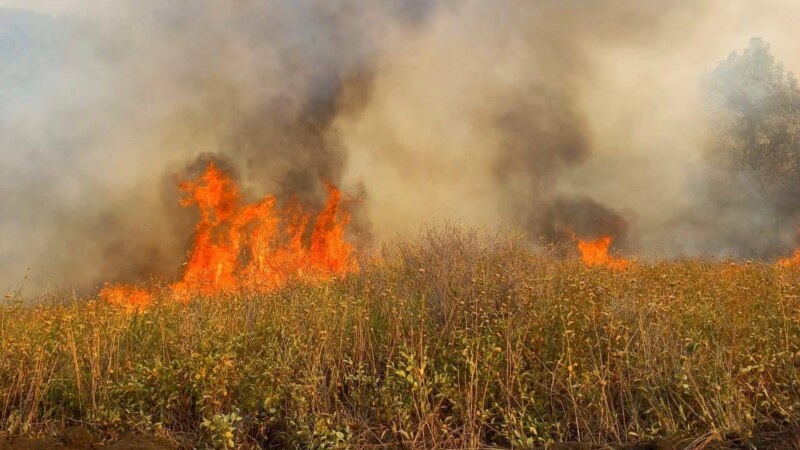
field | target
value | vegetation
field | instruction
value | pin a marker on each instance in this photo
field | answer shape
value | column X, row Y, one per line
column 758, row 135
column 452, row 340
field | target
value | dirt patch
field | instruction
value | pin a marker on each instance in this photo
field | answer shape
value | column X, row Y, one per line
column 788, row 439
column 30, row 444
column 79, row 438
column 139, row 442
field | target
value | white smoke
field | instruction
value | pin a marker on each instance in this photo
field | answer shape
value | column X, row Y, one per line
column 482, row 111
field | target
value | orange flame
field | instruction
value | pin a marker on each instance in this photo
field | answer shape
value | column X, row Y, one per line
column 253, row 247
column 595, row 253
column 791, row 261
column 128, row 297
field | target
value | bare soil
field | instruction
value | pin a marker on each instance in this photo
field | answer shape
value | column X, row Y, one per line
column 787, row 439
column 78, row 438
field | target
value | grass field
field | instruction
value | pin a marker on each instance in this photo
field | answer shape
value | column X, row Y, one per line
column 450, row 340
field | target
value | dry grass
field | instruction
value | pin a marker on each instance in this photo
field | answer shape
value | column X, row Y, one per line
column 452, row 340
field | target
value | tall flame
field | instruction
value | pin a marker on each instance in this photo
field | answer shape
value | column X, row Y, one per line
column 595, row 253
column 251, row 247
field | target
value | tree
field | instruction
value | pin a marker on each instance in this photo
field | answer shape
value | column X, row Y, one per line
column 759, row 133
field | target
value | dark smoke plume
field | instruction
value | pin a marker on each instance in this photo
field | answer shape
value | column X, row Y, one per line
column 567, row 219
column 546, row 114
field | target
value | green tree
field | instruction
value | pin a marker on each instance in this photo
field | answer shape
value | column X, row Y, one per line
column 759, row 131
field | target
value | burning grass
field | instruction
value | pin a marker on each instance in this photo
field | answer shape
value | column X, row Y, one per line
column 254, row 247
column 452, row 340
column 595, row 253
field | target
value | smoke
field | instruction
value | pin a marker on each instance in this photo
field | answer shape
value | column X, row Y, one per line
column 555, row 116
column 565, row 219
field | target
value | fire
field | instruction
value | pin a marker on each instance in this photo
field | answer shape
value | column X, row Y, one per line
column 255, row 247
column 791, row 261
column 595, row 253
column 128, row 297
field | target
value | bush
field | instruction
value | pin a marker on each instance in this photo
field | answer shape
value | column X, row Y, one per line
column 452, row 340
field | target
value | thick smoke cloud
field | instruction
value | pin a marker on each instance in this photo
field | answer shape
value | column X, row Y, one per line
column 585, row 117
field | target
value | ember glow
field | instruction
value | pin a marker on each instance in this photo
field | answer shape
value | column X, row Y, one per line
column 595, row 253
column 254, row 247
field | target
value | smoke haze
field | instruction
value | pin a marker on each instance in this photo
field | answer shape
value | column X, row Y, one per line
column 584, row 117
